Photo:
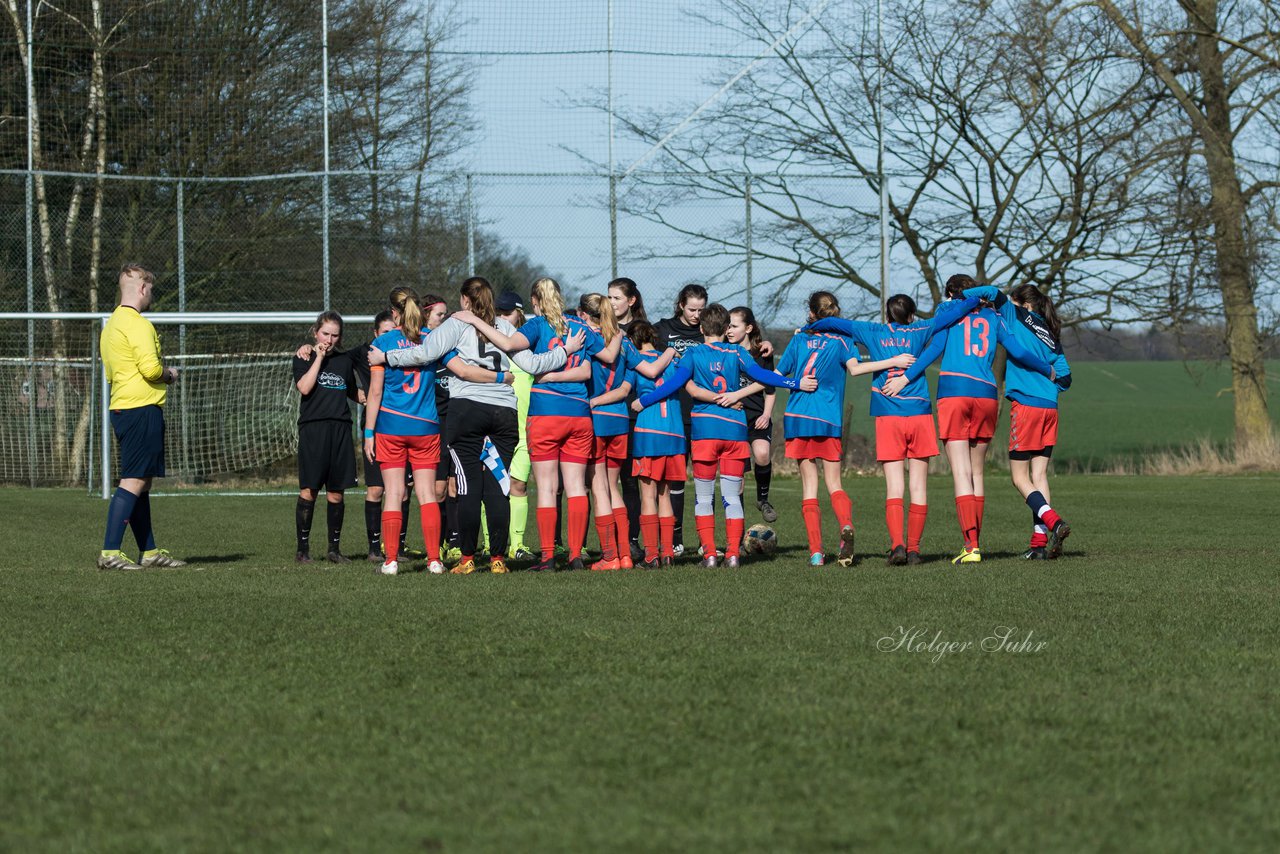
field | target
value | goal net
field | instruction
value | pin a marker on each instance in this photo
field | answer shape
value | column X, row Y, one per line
column 230, row 419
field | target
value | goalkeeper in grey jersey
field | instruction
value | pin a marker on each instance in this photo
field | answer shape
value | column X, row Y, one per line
column 480, row 412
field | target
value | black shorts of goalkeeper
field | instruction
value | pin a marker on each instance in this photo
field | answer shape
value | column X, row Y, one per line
column 140, row 434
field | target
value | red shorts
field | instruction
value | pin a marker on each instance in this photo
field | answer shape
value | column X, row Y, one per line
column 563, row 438
column 727, row 455
column 1032, row 428
column 905, row 437
column 411, row 452
column 659, row 468
column 967, row 418
column 611, row 449
column 814, row 448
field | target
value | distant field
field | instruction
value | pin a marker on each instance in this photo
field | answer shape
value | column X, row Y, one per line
column 1119, row 411
column 251, row 704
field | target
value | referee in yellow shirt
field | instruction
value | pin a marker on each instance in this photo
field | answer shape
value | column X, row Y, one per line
column 131, row 358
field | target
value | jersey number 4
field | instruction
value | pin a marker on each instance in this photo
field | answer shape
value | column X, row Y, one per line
column 977, row 334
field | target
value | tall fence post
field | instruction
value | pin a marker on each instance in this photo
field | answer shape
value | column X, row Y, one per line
column 880, row 177
column 93, row 404
column 746, row 195
column 31, row 272
column 471, row 229
column 324, row 204
column 182, row 328
column 613, row 179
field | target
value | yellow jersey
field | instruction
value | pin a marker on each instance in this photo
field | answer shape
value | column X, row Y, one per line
column 130, row 351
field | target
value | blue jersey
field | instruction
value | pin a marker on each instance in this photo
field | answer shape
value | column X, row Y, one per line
column 817, row 413
column 408, row 405
column 717, row 367
column 968, row 351
column 564, row 399
column 1021, row 383
column 659, row 430
column 612, row 418
column 886, row 340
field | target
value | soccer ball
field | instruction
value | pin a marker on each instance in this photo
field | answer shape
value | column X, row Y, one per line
column 760, row 540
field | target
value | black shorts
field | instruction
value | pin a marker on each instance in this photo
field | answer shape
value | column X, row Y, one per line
column 140, row 434
column 753, row 433
column 372, row 472
column 1023, row 456
column 326, row 456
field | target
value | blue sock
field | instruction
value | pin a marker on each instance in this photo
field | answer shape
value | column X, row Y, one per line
column 140, row 521
column 1036, row 502
column 118, row 513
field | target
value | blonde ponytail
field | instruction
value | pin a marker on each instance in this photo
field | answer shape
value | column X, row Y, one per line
column 600, row 310
column 550, row 303
column 405, row 301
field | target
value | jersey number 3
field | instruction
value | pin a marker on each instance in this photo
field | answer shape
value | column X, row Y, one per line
column 977, row 333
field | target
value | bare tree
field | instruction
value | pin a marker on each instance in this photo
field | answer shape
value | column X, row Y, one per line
column 1221, row 68
column 1023, row 164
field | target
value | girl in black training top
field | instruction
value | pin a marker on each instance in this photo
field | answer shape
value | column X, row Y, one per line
column 325, row 454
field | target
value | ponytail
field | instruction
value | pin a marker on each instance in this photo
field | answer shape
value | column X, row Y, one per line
column 550, row 303
column 480, row 293
column 824, row 304
column 600, row 310
column 405, row 301
column 901, row 309
column 1040, row 303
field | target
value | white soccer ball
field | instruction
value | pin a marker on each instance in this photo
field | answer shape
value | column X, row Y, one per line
column 760, row 540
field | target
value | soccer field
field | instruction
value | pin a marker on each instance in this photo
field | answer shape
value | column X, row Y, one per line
column 248, row 703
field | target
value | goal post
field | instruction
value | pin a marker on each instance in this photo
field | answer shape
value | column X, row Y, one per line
column 233, row 410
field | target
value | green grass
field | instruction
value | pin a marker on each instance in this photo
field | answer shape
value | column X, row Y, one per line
column 253, row 704
column 1119, row 412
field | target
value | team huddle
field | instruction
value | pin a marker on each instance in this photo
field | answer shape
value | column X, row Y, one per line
column 606, row 413
column 468, row 409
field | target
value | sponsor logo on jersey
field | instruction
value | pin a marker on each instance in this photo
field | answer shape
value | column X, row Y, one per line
column 334, row 381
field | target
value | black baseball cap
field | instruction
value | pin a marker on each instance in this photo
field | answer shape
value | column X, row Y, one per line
column 509, row 301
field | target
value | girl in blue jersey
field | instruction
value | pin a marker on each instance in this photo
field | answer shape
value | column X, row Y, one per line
column 610, row 386
column 402, row 431
column 709, row 371
column 905, row 437
column 560, row 437
column 1033, row 413
column 813, row 422
column 657, row 453
column 967, row 405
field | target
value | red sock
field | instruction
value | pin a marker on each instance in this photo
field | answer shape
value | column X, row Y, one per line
column 733, row 529
column 1039, row 539
column 608, row 537
column 916, row 514
column 812, row 523
column 622, row 525
column 967, row 511
column 893, row 519
column 1050, row 518
column 978, row 502
column 844, row 508
column 706, row 534
column 649, row 533
column 667, row 527
column 391, row 523
column 579, row 513
column 547, row 531
column 430, row 513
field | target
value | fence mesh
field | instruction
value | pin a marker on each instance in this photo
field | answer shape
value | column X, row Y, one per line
column 215, row 145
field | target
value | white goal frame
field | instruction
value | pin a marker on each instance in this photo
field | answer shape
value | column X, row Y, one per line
column 181, row 319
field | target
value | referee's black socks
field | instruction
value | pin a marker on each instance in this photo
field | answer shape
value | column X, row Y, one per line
column 302, row 517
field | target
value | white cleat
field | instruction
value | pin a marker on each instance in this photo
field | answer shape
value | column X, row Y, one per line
column 389, row 568
column 435, row 567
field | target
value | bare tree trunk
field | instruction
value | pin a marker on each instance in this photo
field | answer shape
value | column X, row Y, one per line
column 1227, row 209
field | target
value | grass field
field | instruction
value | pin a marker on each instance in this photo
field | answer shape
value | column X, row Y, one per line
column 251, row 704
column 1119, row 412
